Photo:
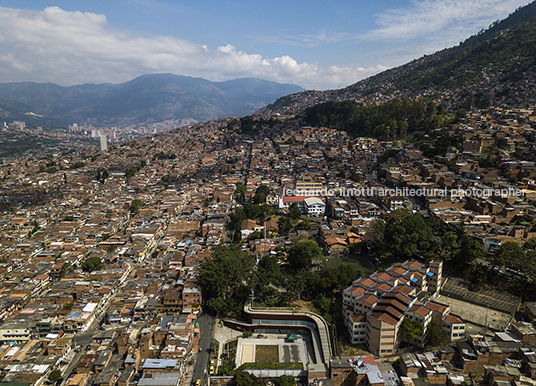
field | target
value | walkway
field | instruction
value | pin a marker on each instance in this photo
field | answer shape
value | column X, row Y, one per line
column 223, row 335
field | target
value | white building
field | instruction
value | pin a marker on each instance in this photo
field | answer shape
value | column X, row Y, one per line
column 103, row 143
column 15, row 331
column 314, row 206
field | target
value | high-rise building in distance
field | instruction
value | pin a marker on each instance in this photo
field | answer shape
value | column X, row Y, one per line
column 103, row 143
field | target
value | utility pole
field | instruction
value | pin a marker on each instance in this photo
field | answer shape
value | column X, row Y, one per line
column 487, row 305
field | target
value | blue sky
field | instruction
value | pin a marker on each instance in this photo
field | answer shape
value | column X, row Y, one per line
column 314, row 44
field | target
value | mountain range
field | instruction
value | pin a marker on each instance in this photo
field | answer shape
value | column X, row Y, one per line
column 495, row 66
column 148, row 98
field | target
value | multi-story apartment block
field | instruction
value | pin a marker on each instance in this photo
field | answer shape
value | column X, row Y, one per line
column 375, row 307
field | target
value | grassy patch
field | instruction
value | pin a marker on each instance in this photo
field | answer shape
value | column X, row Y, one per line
column 348, row 349
column 280, row 304
column 358, row 262
column 266, row 353
column 272, row 366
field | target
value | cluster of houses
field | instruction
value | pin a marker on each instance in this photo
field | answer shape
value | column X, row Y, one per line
column 184, row 183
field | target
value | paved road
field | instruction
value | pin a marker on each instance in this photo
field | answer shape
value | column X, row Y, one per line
column 83, row 339
column 206, row 333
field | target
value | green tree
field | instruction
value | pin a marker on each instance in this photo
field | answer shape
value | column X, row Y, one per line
column 66, row 268
column 269, row 270
column 129, row 172
column 387, row 121
column 243, row 378
column 78, row 165
column 237, row 236
column 376, row 232
column 435, row 336
column 478, row 274
column 294, row 211
column 296, row 284
column 256, row 235
column 224, row 276
column 54, row 375
column 449, row 241
column 240, row 189
column 136, row 205
column 285, row 380
column 508, row 253
column 259, row 198
column 284, row 225
column 406, row 233
column 254, row 211
column 411, row 329
column 461, row 113
column 470, row 250
column 323, row 303
column 237, row 217
column 92, row 263
column 304, row 254
column 260, row 194
column 266, row 278
column 443, row 247
column 530, row 244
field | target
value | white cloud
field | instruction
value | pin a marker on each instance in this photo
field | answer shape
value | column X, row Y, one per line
column 427, row 26
column 79, row 47
column 322, row 37
column 69, row 48
column 426, row 18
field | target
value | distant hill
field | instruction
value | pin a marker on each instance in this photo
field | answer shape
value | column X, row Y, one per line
column 148, row 98
column 498, row 65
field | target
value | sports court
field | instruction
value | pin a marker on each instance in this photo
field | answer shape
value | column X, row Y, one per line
column 287, row 352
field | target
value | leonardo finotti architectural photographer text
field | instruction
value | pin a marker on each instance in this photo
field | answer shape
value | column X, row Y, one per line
column 405, row 192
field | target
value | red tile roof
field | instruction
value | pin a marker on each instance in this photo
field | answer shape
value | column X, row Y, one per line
column 384, row 317
column 359, row 318
column 412, row 265
column 452, row 319
column 394, row 312
column 383, row 287
column 358, row 291
column 393, row 302
column 370, row 299
column 397, row 270
column 438, row 307
column 367, row 282
column 402, row 288
column 384, row 276
column 420, row 310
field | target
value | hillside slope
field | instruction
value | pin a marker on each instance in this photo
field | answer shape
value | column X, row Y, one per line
column 496, row 66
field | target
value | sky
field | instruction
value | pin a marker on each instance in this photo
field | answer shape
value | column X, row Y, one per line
column 315, row 44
